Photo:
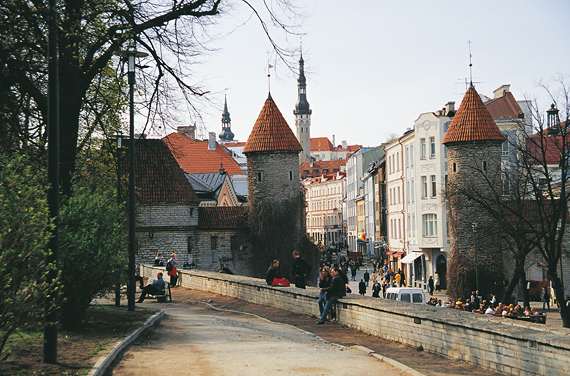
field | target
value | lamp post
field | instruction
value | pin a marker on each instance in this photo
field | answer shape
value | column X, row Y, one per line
column 474, row 225
column 119, row 137
column 131, row 53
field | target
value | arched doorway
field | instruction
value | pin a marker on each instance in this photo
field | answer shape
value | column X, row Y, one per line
column 441, row 268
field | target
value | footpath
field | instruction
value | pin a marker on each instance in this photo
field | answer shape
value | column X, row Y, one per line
column 204, row 333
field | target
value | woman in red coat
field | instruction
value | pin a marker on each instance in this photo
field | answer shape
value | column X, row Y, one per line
column 172, row 272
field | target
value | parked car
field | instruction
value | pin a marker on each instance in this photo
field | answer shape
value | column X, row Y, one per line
column 406, row 294
column 535, row 288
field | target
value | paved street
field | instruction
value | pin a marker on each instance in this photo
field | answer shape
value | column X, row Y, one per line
column 197, row 340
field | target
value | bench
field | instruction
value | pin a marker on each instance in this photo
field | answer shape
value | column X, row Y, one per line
column 165, row 295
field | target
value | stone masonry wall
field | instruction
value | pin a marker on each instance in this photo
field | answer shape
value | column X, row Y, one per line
column 275, row 184
column 506, row 346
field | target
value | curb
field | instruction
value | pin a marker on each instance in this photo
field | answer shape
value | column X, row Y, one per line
column 400, row 366
column 103, row 363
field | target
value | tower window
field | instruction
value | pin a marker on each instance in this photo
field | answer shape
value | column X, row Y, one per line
column 259, row 176
column 291, row 175
column 454, row 167
column 484, row 166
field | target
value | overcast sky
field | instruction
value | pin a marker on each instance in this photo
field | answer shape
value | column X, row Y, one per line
column 373, row 67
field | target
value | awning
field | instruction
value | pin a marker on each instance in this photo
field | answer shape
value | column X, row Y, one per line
column 410, row 257
column 394, row 253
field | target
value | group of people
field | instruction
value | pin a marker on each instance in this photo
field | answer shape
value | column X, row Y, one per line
column 157, row 286
column 301, row 269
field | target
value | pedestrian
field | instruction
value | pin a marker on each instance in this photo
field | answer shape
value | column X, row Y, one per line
column 493, row 300
column 366, row 277
column 362, row 287
column 437, row 282
column 300, row 270
column 138, row 277
column 158, row 260
column 545, row 297
column 171, row 269
column 333, row 293
column 352, row 272
column 374, row 277
column 273, row 272
column 376, row 290
column 325, row 281
column 402, row 278
column 430, row 285
column 398, row 278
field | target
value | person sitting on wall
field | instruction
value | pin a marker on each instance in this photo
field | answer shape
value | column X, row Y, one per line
column 154, row 289
column 158, row 260
column 273, row 272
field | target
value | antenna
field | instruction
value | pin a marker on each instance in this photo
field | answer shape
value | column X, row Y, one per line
column 269, row 66
column 470, row 65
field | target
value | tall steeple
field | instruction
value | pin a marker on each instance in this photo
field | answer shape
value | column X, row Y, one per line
column 226, row 134
column 303, row 114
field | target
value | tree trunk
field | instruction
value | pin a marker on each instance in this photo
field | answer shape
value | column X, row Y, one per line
column 512, row 284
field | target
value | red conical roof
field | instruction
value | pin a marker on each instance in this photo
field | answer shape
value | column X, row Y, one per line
column 472, row 122
column 271, row 132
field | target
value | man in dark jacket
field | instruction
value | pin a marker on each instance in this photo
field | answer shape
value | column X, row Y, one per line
column 300, row 270
column 334, row 293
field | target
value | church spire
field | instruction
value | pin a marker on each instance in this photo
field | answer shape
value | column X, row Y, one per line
column 302, row 107
column 226, row 134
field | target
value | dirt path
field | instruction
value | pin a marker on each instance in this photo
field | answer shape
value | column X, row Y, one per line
column 225, row 343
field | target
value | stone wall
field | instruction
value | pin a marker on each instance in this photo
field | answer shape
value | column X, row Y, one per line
column 279, row 176
column 506, row 346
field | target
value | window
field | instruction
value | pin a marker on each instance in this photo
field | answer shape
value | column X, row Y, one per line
column 505, row 180
column 484, row 167
column 445, row 151
column 259, row 176
column 432, row 147
column 213, row 242
column 433, row 187
column 424, row 187
column 397, row 161
column 291, row 175
column 422, row 148
column 454, row 167
column 429, row 222
column 505, row 145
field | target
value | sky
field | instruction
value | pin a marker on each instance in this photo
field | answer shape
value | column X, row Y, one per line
column 373, row 67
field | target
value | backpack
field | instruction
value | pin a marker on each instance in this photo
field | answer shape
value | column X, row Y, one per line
column 168, row 266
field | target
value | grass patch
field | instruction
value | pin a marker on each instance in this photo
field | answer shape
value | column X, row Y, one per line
column 78, row 350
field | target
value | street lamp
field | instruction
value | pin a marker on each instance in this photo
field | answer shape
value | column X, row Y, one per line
column 130, row 54
column 474, row 225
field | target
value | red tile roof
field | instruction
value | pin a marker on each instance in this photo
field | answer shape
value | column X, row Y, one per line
column 319, row 166
column 271, row 132
column 195, row 158
column 321, row 144
column 222, row 217
column 472, row 122
column 505, row 107
column 546, row 149
column 158, row 175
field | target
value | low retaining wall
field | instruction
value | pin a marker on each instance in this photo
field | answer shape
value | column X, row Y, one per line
column 507, row 346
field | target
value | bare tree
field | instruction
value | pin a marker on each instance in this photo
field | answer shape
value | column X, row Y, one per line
column 173, row 32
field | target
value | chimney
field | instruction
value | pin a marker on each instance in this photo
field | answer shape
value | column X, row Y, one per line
column 212, row 141
column 334, row 142
column 500, row 92
column 344, row 145
column 189, row 131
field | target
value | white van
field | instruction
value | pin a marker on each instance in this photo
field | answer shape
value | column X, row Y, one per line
column 406, row 294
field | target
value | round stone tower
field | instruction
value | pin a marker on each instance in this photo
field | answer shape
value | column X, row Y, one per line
column 272, row 152
column 473, row 143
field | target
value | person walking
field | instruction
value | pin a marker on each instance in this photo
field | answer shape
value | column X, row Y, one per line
column 362, row 287
column 437, row 282
column 300, row 270
column 333, row 293
column 430, row 285
column 366, row 277
column 171, row 270
column 545, row 297
column 398, row 278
